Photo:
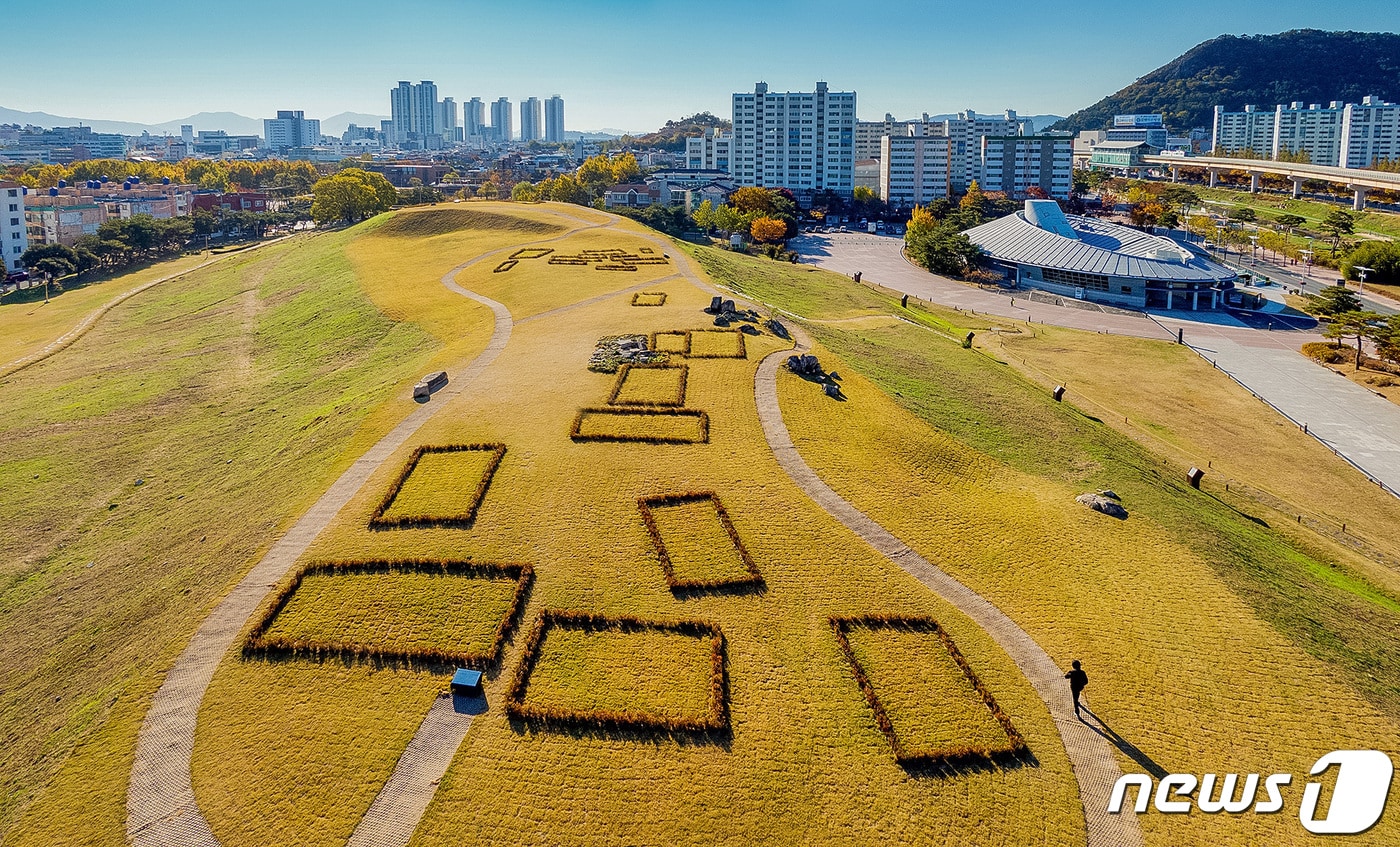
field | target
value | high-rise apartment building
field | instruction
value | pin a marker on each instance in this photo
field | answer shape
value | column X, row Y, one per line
column 870, row 134
column 474, row 118
column 1370, row 133
column 965, row 133
column 531, row 119
column 1018, row 164
column 14, row 235
column 501, row 128
column 1236, row 132
column 291, row 129
column 914, row 168
column 554, row 120
column 415, row 115
column 447, row 120
column 711, row 151
column 801, row 141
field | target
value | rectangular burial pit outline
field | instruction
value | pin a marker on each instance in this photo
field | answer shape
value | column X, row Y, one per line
column 751, row 578
column 681, row 349
column 258, row 644
column 464, row 520
column 649, row 298
column 715, row 721
column 740, row 350
column 952, row 758
column 620, row 386
column 700, row 417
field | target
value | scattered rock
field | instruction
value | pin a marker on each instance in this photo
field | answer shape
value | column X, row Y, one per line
column 140, row 482
column 775, row 327
column 721, row 320
column 613, row 351
column 750, row 329
column 716, row 305
column 805, row 365
column 1107, row 506
column 1108, row 492
column 832, row 390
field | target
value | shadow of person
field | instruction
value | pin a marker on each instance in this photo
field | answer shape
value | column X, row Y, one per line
column 1125, row 746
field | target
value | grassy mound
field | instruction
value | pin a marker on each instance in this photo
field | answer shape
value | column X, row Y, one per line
column 441, row 221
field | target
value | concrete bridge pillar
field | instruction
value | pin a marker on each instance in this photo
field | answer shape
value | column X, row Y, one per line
column 1173, row 174
column 1214, row 176
column 1297, row 187
column 1254, row 183
column 1359, row 201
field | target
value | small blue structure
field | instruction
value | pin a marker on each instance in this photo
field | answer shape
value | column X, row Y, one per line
column 466, row 683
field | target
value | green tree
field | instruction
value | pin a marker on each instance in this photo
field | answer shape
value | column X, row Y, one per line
column 1354, row 324
column 1386, row 337
column 728, row 219
column 704, row 216
column 939, row 246
column 1382, row 257
column 52, row 260
column 351, row 195
column 524, row 192
column 1241, row 213
column 974, row 201
column 1290, row 221
column 1338, row 224
column 1334, row 300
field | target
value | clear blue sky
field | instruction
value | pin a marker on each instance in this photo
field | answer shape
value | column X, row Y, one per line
column 628, row 64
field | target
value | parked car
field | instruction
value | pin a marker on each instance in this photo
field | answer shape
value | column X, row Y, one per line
column 17, row 276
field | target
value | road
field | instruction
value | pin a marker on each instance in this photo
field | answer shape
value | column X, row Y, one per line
column 1259, row 351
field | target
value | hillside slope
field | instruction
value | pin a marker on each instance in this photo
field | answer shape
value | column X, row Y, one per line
column 1302, row 64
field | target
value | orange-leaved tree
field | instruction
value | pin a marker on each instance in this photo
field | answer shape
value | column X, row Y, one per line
column 768, row 230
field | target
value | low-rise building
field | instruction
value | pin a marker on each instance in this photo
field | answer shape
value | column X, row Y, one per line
column 1121, row 155
column 629, row 195
column 14, row 231
column 1090, row 259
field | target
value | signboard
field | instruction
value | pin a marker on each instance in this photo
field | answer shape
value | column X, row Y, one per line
column 1138, row 121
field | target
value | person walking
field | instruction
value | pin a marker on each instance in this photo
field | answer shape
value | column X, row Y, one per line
column 1077, row 680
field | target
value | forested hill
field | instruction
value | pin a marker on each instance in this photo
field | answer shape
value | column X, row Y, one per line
column 1303, row 64
column 672, row 136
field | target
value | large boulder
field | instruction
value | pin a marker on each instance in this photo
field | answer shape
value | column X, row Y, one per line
column 1106, row 505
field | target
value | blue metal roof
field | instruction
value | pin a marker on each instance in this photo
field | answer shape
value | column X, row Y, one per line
column 1101, row 248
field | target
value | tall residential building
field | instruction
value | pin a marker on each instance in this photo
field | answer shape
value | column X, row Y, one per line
column 447, row 120
column 1370, row 133
column 801, row 141
column 554, row 120
column 1251, row 129
column 501, row 128
column 474, row 117
column 1314, row 130
column 415, row 114
column 291, row 129
column 14, row 237
column 869, row 134
column 914, row 168
column 531, row 119
column 1017, row 164
column 711, row 151
column 187, row 133
column 965, row 133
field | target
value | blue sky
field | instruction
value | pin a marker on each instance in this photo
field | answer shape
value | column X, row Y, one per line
column 628, row 64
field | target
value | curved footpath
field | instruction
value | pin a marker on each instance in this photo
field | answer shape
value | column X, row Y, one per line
column 66, row 339
column 161, row 809
column 1094, row 766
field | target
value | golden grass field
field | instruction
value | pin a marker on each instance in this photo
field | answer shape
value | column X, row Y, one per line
column 1193, row 657
column 400, row 611
column 441, row 486
column 651, row 386
column 696, row 542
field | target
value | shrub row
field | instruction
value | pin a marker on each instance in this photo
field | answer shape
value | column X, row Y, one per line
column 607, row 266
column 646, row 504
column 741, row 350
column 505, row 266
column 716, row 718
column 576, row 434
column 464, row 521
column 649, row 298
column 622, row 371
column 951, row 757
column 531, row 252
column 258, row 643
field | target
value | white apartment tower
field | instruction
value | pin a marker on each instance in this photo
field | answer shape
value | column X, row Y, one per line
column 801, row 141
column 1314, row 130
column 914, row 168
column 554, row 120
column 474, row 118
column 14, row 238
column 531, row 119
column 1370, row 133
column 501, row 128
column 1251, row 129
column 447, row 120
column 965, row 134
column 1018, row 163
column 415, row 113
column 291, row 129
column 711, row 151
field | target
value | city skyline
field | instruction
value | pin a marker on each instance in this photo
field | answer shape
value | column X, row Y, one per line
column 865, row 53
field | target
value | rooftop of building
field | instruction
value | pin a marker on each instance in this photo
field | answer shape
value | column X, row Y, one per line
column 1043, row 235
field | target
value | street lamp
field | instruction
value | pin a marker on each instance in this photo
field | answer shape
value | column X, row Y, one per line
column 1254, row 249
column 1307, row 267
column 1361, row 286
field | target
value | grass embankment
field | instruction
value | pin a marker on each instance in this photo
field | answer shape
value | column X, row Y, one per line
column 1270, row 206
column 30, row 324
column 234, row 396
column 804, row 760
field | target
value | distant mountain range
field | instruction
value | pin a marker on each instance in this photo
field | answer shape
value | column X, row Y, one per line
column 230, row 122
column 1305, row 65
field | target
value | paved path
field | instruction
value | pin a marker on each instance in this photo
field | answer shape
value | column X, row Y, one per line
column 87, row 323
column 1353, row 422
column 1090, row 754
column 161, row 807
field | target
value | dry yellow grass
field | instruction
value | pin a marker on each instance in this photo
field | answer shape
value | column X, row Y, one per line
column 806, row 762
column 672, row 342
column 696, row 542
column 716, row 344
column 396, row 611
column 441, row 486
column 651, row 386
column 929, row 699
column 642, row 425
column 651, row 672
column 1165, row 680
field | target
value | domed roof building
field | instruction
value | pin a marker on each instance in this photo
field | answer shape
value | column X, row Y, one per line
column 1089, row 259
